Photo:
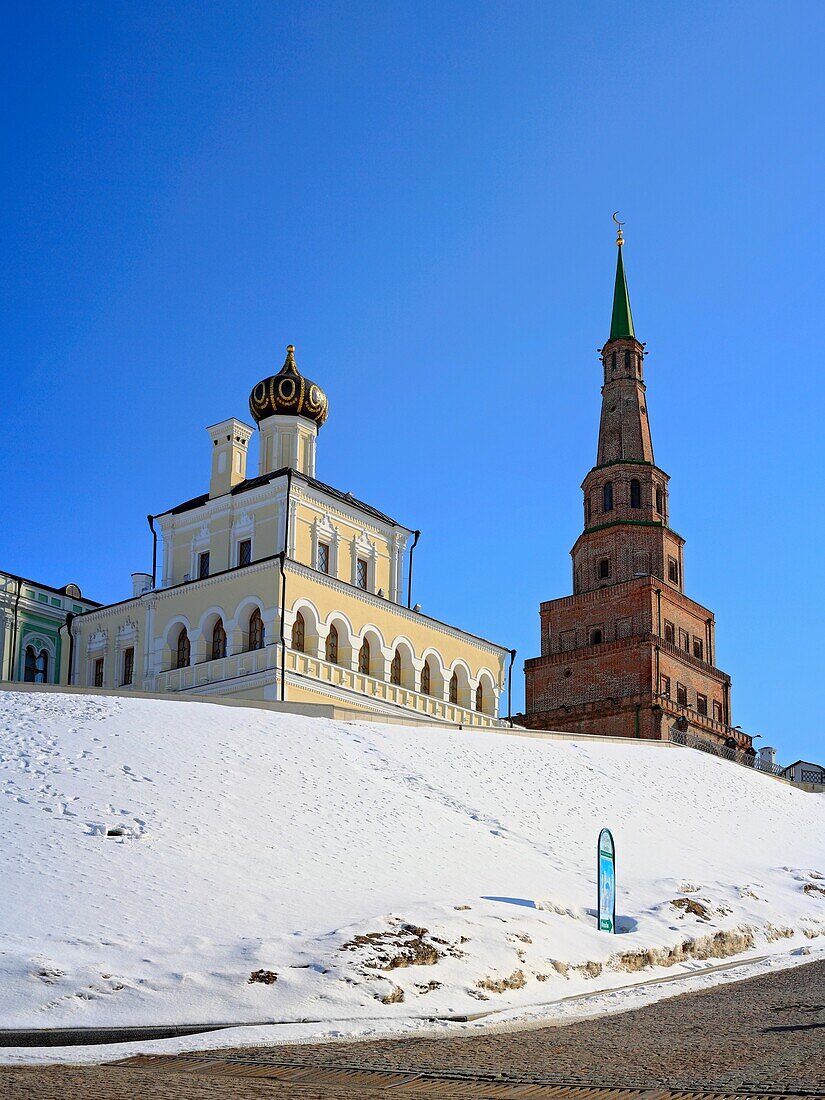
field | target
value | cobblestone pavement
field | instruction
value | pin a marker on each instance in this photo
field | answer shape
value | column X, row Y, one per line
column 766, row 1034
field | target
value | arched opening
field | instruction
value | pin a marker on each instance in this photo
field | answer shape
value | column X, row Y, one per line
column 480, row 698
column 628, row 361
column 331, row 645
column 364, row 658
column 182, row 649
column 660, row 501
column 635, row 494
column 454, row 688
column 218, row 641
column 299, row 633
column 395, row 668
column 607, row 496
column 256, row 629
column 426, row 687
column 30, row 667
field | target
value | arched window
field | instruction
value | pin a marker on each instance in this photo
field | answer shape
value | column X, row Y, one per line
column 607, row 497
column 425, row 679
column 256, row 630
column 182, row 649
column 454, row 688
column 364, row 658
column 218, row 641
column 660, row 501
column 332, row 645
column 613, row 360
column 480, row 697
column 30, row 669
column 635, row 494
column 42, row 664
column 299, row 633
column 395, row 668
column 627, row 361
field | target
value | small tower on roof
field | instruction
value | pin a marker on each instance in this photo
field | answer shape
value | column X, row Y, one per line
column 288, row 409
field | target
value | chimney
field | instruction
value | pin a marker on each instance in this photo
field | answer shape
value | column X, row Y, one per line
column 141, row 582
column 230, row 440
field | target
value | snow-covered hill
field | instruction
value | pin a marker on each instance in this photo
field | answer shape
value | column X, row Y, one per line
column 378, row 872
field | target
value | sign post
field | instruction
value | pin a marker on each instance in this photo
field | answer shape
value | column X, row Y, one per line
column 606, row 871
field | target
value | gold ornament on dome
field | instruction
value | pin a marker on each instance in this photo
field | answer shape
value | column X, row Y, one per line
column 288, row 393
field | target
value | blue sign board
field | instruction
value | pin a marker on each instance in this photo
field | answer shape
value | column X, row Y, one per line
column 606, row 869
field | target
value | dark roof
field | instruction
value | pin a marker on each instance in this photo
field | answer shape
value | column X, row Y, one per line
column 813, row 765
column 313, row 483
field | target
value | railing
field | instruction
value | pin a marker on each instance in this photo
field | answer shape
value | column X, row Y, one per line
column 713, row 748
column 210, row 673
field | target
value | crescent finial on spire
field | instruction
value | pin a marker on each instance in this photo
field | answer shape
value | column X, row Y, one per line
column 619, row 234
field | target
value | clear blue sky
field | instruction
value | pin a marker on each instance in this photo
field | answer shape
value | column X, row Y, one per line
column 419, row 197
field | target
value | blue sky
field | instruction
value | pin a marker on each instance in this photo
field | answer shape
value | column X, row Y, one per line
column 419, row 196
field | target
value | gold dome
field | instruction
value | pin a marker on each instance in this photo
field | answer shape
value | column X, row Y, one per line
column 288, row 393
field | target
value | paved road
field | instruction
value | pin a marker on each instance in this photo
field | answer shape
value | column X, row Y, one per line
column 763, row 1035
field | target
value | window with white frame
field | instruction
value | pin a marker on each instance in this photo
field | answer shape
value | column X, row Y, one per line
column 323, row 557
column 362, row 573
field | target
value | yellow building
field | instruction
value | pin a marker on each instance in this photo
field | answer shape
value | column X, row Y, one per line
column 279, row 587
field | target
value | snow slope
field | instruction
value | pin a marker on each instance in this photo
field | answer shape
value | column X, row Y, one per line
column 334, row 854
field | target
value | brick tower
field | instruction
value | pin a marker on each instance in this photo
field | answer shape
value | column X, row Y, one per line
column 628, row 654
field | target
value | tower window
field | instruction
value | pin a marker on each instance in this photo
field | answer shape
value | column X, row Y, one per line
column 323, row 557
column 203, row 565
column 660, row 501
column 684, row 641
column 670, row 633
column 607, row 497
column 364, row 658
column 299, row 633
column 604, row 568
column 702, row 704
column 717, row 710
column 698, row 649
column 673, row 570
column 666, row 686
column 245, row 552
column 635, row 494
column 681, row 695
column 596, row 637
column 128, row 666
column 627, row 361
column 613, row 360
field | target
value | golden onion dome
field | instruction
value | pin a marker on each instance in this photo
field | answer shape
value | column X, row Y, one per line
column 288, row 393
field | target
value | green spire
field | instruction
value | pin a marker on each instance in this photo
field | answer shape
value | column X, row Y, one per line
column 621, row 323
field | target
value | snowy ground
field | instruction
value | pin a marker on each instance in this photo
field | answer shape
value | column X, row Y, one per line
column 384, row 875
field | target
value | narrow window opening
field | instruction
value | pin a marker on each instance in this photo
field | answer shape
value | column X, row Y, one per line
column 361, row 573
column 595, row 637
column 395, row 668
column 454, row 688
column 98, row 672
column 299, row 633
column 244, row 552
column 607, row 497
column 203, row 565
column 604, row 568
column 256, row 630
column 331, row 652
column 425, row 679
column 635, row 494
column 128, row 666
column 479, row 698
column 660, row 501
column 218, row 641
column 364, row 658
column 323, row 557
column 182, row 649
